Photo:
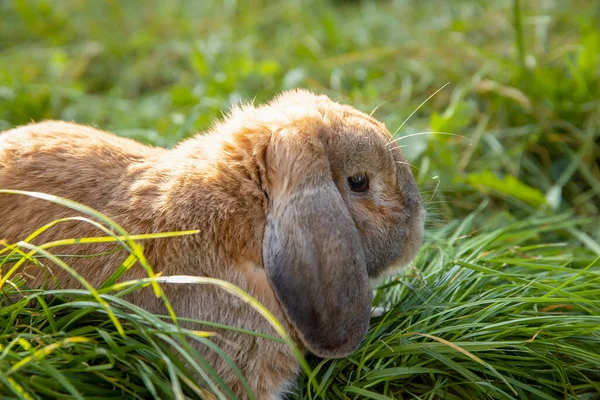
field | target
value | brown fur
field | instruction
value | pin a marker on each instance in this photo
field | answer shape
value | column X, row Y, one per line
column 267, row 189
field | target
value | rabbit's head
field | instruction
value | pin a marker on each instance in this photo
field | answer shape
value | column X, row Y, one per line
column 342, row 207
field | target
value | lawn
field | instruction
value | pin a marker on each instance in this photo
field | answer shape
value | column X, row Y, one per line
column 496, row 105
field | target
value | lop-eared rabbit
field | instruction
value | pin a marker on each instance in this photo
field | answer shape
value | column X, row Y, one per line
column 299, row 202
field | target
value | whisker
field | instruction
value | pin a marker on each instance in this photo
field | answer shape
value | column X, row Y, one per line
column 436, row 189
column 409, row 164
column 430, row 133
column 435, row 223
column 436, row 178
column 377, row 107
column 474, row 232
column 447, row 191
column 436, row 211
column 398, row 147
column 423, row 291
column 420, row 105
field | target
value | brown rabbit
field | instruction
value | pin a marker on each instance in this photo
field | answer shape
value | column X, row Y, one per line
column 299, row 202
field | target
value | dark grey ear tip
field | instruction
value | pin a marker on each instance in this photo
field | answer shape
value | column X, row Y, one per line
column 336, row 351
column 338, row 343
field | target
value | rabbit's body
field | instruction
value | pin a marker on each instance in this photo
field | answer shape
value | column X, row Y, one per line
column 265, row 189
column 83, row 164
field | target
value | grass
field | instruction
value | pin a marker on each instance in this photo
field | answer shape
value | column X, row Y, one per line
column 497, row 316
column 504, row 299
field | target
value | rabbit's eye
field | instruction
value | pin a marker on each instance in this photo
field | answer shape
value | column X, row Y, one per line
column 358, row 183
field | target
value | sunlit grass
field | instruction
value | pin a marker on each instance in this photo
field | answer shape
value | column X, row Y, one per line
column 512, row 312
column 51, row 334
column 496, row 315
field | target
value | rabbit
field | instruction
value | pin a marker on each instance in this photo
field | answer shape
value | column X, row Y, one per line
column 301, row 202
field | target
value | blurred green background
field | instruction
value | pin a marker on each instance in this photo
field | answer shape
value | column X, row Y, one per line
column 523, row 80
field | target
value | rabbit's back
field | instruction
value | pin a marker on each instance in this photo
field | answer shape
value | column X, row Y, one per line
column 68, row 160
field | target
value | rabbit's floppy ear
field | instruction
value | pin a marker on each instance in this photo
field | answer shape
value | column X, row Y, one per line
column 312, row 251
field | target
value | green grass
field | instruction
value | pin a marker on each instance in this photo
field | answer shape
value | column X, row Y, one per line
column 504, row 299
column 497, row 315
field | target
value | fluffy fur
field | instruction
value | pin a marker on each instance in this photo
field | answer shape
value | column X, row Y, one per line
column 267, row 187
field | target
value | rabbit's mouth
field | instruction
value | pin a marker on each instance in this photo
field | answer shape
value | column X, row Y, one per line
column 395, row 247
column 413, row 242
